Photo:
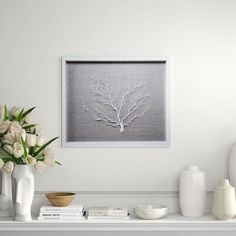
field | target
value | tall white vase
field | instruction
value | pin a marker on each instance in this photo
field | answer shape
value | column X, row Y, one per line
column 192, row 192
column 232, row 165
column 6, row 207
column 224, row 204
column 22, row 192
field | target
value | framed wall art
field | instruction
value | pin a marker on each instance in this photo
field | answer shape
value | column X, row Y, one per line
column 115, row 102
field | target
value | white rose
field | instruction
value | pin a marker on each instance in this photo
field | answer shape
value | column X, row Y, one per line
column 8, row 138
column 49, row 159
column 31, row 160
column 2, row 110
column 40, row 140
column 40, row 166
column 4, row 125
column 1, row 163
column 30, row 140
column 17, row 150
column 29, row 119
column 8, row 167
column 8, row 149
column 15, row 127
column 15, row 111
column 20, row 134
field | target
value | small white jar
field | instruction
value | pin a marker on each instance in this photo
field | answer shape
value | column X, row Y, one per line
column 224, row 204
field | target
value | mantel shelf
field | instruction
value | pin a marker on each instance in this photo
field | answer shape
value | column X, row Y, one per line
column 172, row 222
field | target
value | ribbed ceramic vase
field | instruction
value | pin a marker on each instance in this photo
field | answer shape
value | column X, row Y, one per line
column 192, row 192
column 6, row 207
column 232, row 165
column 22, row 192
column 224, row 204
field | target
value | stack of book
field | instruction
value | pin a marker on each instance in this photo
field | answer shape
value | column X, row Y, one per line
column 69, row 213
column 108, row 213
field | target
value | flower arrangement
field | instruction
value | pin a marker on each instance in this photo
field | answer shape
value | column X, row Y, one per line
column 20, row 141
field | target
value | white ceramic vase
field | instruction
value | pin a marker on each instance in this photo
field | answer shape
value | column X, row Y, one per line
column 6, row 207
column 22, row 192
column 192, row 192
column 232, row 165
column 224, row 204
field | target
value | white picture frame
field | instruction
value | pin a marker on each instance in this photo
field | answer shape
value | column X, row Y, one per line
column 67, row 62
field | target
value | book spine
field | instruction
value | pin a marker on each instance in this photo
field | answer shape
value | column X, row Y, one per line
column 60, row 214
column 108, row 214
column 108, row 218
column 108, row 209
column 74, row 210
column 118, row 212
column 60, row 218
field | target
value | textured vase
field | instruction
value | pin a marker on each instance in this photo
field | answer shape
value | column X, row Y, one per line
column 232, row 165
column 224, row 204
column 192, row 192
column 22, row 192
column 6, row 207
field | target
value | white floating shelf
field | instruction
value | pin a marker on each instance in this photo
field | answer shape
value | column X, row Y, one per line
column 172, row 222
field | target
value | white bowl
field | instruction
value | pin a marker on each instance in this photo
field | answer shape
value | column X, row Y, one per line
column 149, row 212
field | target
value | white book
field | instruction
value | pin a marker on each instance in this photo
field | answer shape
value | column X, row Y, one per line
column 108, row 218
column 61, row 214
column 108, row 214
column 108, row 211
column 48, row 218
column 71, row 208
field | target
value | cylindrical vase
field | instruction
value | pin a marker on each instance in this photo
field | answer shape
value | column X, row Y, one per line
column 192, row 192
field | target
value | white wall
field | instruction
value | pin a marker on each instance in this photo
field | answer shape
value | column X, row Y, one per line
column 200, row 37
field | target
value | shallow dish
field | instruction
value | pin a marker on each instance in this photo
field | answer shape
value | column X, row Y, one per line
column 150, row 213
column 60, row 199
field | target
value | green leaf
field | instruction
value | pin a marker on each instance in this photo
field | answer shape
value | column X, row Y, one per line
column 58, row 163
column 24, row 147
column 28, row 126
column 31, row 150
column 5, row 117
column 27, row 112
column 44, row 146
column 18, row 118
column 6, row 156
